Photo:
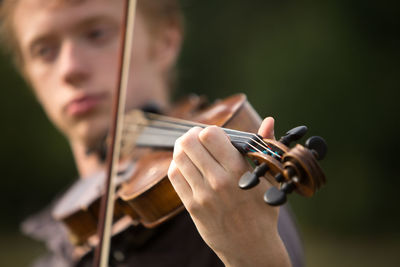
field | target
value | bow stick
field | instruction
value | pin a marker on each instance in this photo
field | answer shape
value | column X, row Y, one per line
column 107, row 200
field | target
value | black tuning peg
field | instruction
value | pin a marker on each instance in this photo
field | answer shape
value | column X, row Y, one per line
column 318, row 146
column 250, row 180
column 293, row 135
column 277, row 197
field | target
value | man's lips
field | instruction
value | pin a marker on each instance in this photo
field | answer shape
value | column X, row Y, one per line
column 84, row 104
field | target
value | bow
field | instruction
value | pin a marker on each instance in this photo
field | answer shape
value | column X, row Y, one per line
column 107, row 201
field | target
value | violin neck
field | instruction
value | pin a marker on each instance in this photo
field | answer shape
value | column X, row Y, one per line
column 157, row 131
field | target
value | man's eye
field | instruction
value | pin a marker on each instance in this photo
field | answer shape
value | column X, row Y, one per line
column 96, row 34
column 100, row 34
column 45, row 52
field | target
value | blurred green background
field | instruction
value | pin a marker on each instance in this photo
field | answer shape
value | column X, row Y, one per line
column 331, row 65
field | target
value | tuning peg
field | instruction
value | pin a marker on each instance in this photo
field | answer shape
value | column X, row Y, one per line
column 293, row 135
column 250, row 180
column 276, row 197
column 318, row 146
column 279, row 178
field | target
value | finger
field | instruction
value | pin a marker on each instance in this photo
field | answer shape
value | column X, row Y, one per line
column 218, row 144
column 267, row 131
column 198, row 154
column 267, row 128
column 181, row 186
column 188, row 169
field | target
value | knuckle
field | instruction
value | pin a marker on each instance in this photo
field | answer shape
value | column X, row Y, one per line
column 209, row 133
column 203, row 200
column 187, row 141
column 178, row 155
column 178, row 144
column 221, row 183
column 195, row 129
column 172, row 172
column 189, row 138
column 192, row 207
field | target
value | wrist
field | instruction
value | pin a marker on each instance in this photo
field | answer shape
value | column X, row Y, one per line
column 271, row 253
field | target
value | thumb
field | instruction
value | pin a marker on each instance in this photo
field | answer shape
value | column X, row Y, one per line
column 267, row 128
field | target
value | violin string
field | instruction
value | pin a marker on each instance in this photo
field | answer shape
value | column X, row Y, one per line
column 185, row 126
column 178, row 132
column 177, row 127
column 189, row 124
column 233, row 139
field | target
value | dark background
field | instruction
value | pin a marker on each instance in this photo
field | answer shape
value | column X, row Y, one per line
column 331, row 65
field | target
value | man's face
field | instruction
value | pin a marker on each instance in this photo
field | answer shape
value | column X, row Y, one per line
column 70, row 57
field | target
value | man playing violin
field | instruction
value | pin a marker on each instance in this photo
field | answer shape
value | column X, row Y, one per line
column 67, row 50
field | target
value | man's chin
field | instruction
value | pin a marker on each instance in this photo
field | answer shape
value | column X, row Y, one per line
column 92, row 133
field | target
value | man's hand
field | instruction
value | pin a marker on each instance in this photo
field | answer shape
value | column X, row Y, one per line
column 236, row 224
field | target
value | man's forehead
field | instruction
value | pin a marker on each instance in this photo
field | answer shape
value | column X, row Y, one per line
column 54, row 6
column 36, row 17
column 51, row 4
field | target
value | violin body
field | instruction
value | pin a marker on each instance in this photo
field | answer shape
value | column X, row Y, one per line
column 150, row 196
column 78, row 209
column 144, row 193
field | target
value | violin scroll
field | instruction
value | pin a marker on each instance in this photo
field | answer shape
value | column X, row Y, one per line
column 296, row 169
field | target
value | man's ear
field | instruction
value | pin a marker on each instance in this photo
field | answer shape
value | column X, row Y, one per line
column 167, row 47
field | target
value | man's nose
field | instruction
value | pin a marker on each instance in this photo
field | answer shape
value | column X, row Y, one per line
column 73, row 64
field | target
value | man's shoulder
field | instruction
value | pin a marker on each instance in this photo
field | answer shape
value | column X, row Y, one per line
column 42, row 227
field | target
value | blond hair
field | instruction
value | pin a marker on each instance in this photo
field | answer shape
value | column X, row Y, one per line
column 156, row 13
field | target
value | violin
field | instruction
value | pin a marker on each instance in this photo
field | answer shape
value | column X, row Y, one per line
column 144, row 192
